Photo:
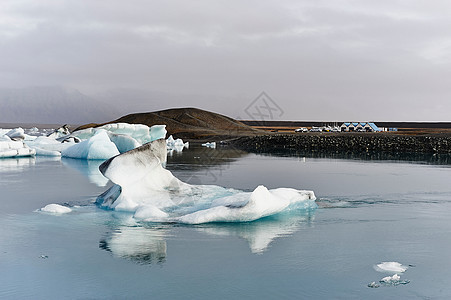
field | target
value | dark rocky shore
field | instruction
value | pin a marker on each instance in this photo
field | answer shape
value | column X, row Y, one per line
column 346, row 142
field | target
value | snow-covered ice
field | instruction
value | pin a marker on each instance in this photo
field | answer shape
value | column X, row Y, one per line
column 390, row 267
column 55, row 209
column 152, row 193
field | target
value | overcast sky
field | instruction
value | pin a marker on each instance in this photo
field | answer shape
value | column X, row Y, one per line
column 318, row 60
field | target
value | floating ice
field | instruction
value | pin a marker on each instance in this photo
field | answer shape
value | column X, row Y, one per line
column 60, row 132
column 209, row 144
column 390, row 267
column 139, row 132
column 175, row 145
column 15, row 149
column 48, row 146
column 152, row 193
column 55, row 209
column 373, row 285
column 97, row 147
column 17, row 134
column 393, row 280
column 390, row 279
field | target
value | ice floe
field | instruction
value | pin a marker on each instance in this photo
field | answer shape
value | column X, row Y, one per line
column 56, row 209
column 92, row 143
column 15, row 149
column 209, row 144
column 390, row 267
column 153, row 194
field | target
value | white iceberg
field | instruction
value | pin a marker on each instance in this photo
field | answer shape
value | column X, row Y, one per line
column 209, row 144
column 152, row 193
column 176, row 146
column 16, row 134
column 391, row 279
column 55, row 209
column 14, row 149
column 390, row 267
column 139, row 132
column 97, row 147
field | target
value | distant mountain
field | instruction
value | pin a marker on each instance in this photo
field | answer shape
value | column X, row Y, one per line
column 51, row 105
column 189, row 123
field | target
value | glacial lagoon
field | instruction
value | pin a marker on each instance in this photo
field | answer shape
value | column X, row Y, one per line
column 370, row 211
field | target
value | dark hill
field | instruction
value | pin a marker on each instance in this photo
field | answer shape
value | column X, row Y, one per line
column 188, row 123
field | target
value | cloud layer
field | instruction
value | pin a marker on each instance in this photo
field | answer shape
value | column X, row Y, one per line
column 319, row 60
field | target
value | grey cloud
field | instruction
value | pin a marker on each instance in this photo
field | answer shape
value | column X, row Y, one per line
column 386, row 60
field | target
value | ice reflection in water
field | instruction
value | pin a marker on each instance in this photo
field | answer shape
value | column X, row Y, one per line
column 261, row 234
column 89, row 168
column 146, row 243
column 139, row 244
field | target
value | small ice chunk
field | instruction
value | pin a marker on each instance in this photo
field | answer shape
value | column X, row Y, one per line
column 56, row 209
column 390, row 267
column 373, row 285
column 391, row 279
column 209, row 144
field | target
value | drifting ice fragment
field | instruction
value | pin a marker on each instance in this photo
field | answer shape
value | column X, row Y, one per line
column 144, row 187
column 390, row 267
column 55, row 209
column 393, row 280
column 209, row 144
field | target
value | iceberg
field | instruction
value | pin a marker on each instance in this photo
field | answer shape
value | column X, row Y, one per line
column 142, row 186
column 17, row 134
column 14, row 149
column 390, row 267
column 140, row 133
column 61, row 132
column 209, row 144
column 55, row 209
column 175, row 145
column 97, row 147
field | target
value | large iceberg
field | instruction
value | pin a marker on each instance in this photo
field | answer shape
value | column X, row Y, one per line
column 142, row 186
column 97, row 147
column 91, row 143
column 10, row 148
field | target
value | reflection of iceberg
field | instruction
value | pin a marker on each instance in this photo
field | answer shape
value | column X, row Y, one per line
column 144, row 245
column 260, row 234
column 16, row 163
column 144, row 187
column 89, row 168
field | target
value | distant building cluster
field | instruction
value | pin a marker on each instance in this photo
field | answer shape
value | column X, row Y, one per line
column 347, row 127
column 359, row 126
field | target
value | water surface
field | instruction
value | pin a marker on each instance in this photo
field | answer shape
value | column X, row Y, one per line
column 370, row 211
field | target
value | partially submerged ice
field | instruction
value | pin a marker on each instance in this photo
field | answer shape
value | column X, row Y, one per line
column 97, row 147
column 142, row 186
column 14, row 149
column 390, row 267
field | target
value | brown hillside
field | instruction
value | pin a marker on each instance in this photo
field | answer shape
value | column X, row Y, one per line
column 188, row 123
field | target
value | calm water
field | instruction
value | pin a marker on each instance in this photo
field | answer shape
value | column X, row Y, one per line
column 370, row 211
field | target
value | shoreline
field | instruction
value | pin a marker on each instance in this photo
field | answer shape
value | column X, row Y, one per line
column 434, row 143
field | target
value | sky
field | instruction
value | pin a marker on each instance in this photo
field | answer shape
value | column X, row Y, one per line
column 314, row 60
